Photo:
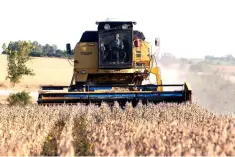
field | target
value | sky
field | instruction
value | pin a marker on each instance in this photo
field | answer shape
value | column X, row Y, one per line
column 186, row 28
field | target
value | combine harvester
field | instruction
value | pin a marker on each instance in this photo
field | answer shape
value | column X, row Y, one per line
column 110, row 65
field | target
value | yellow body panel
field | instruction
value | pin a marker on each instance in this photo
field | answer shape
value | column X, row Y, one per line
column 81, row 77
column 142, row 54
column 157, row 73
column 86, row 55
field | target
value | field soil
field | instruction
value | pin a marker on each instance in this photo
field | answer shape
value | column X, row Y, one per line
column 48, row 71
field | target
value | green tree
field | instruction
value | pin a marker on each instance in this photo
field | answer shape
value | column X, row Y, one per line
column 4, row 46
column 17, row 56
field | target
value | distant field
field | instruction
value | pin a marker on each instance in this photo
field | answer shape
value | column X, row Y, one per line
column 228, row 69
column 57, row 71
column 48, row 71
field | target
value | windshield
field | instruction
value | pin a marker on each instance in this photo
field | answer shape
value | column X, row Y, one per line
column 115, row 48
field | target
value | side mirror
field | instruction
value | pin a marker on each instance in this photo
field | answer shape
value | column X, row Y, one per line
column 68, row 49
column 157, row 42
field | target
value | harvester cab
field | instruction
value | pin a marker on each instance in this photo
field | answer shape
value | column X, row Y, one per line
column 110, row 64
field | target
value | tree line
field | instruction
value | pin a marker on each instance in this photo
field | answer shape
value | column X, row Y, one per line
column 37, row 50
column 228, row 57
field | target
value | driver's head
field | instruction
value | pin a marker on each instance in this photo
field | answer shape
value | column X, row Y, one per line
column 117, row 36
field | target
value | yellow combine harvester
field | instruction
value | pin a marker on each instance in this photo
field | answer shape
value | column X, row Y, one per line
column 110, row 65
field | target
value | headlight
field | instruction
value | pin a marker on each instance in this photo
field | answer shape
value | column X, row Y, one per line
column 83, row 71
column 124, row 26
column 106, row 26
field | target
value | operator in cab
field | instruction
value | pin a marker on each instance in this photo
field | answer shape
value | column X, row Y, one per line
column 116, row 46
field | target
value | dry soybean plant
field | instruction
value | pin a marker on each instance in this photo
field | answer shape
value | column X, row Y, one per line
column 163, row 129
